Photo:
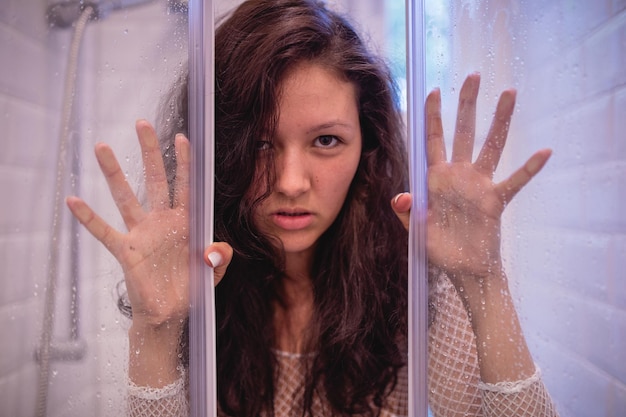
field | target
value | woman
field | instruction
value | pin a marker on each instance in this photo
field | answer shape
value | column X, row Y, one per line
column 311, row 257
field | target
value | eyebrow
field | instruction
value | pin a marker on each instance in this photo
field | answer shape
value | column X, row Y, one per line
column 328, row 125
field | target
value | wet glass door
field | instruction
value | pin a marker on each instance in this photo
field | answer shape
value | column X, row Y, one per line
column 563, row 235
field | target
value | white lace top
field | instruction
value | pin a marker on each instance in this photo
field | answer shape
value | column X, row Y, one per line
column 454, row 382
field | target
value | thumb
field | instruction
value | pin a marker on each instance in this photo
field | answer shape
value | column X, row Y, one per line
column 401, row 205
column 218, row 256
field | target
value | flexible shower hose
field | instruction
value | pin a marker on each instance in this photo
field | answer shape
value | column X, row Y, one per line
column 53, row 258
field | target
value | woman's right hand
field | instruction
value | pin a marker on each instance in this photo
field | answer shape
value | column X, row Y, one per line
column 154, row 254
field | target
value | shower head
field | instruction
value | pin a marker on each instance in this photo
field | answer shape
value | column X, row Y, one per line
column 63, row 13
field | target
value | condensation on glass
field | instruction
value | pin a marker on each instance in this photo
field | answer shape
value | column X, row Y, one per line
column 65, row 349
column 564, row 235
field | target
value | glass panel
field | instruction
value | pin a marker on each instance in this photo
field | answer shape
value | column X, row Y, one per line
column 59, row 285
column 563, row 235
column 127, row 55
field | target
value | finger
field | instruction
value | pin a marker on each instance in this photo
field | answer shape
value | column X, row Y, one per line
column 156, row 180
column 435, row 147
column 181, row 186
column 124, row 197
column 401, row 205
column 512, row 185
column 99, row 229
column 464, row 131
column 491, row 151
column 218, row 255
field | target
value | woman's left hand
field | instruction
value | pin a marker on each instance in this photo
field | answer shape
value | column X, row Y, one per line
column 464, row 204
column 463, row 231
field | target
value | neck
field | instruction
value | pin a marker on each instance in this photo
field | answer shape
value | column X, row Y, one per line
column 293, row 311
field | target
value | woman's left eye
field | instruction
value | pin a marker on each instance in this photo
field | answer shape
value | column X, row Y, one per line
column 326, row 141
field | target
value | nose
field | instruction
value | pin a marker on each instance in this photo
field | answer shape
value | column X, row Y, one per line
column 292, row 173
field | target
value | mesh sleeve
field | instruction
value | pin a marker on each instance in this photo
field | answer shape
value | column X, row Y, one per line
column 168, row 401
column 454, row 382
column 528, row 397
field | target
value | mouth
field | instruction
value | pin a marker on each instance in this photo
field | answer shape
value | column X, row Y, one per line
column 292, row 214
column 292, row 219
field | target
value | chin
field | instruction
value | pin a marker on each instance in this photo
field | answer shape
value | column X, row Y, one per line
column 299, row 246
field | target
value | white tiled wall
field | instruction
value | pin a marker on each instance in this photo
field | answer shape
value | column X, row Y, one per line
column 28, row 84
column 572, row 253
column 128, row 59
column 565, row 234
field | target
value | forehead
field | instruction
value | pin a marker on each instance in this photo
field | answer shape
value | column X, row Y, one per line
column 311, row 92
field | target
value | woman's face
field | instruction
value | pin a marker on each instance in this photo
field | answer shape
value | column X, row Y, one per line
column 316, row 151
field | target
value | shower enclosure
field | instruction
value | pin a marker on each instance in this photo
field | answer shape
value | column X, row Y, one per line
column 564, row 235
column 130, row 53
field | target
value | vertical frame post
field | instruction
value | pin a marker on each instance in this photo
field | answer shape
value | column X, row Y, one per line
column 202, row 373
column 418, row 278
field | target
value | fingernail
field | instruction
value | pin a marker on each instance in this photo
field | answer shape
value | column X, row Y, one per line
column 533, row 166
column 183, row 155
column 215, row 259
column 396, row 198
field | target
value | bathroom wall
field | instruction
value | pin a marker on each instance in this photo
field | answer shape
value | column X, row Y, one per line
column 31, row 81
column 129, row 58
column 565, row 234
column 570, row 233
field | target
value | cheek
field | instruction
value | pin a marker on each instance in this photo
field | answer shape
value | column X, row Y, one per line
column 341, row 178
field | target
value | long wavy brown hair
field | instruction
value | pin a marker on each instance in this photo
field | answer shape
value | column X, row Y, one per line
column 359, row 276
